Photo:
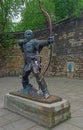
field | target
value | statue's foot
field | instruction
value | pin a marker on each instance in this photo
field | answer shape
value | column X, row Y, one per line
column 30, row 90
column 24, row 90
column 34, row 93
column 46, row 94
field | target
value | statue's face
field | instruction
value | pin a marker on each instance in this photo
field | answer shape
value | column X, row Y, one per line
column 28, row 34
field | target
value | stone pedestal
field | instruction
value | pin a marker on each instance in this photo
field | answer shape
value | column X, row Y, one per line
column 48, row 115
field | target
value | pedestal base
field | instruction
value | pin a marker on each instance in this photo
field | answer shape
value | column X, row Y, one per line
column 48, row 115
column 51, row 99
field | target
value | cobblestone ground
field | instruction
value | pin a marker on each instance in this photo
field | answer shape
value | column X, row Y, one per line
column 71, row 89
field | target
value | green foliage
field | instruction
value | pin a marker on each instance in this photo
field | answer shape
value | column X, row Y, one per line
column 6, row 40
column 32, row 16
column 67, row 9
column 8, row 8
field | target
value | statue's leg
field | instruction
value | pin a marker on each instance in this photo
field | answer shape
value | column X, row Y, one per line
column 40, row 79
column 42, row 84
column 25, row 79
column 25, row 82
column 27, row 87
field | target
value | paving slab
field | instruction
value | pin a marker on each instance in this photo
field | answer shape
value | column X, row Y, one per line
column 2, row 128
column 4, row 112
column 12, row 117
column 23, row 124
column 66, row 126
column 78, row 121
column 78, row 113
column 75, row 106
column 3, row 121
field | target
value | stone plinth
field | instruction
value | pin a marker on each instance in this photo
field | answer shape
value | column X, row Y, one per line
column 48, row 115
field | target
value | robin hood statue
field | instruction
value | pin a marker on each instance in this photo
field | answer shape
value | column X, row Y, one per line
column 30, row 47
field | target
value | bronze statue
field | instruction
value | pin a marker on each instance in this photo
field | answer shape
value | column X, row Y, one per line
column 32, row 64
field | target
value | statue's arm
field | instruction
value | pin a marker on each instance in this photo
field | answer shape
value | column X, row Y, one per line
column 42, row 43
column 46, row 42
column 20, row 43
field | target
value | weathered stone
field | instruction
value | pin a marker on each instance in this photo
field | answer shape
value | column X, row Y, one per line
column 48, row 115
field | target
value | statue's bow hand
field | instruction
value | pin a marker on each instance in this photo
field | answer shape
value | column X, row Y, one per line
column 51, row 39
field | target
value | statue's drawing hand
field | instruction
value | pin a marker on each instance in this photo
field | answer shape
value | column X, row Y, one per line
column 51, row 40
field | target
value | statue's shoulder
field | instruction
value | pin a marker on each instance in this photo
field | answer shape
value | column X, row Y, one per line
column 21, row 42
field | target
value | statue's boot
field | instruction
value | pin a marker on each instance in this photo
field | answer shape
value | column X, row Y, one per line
column 30, row 90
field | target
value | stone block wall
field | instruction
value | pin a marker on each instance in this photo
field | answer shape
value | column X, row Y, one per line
column 67, row 51
column 67, row 57
column 59, row 66
column 13, row 63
